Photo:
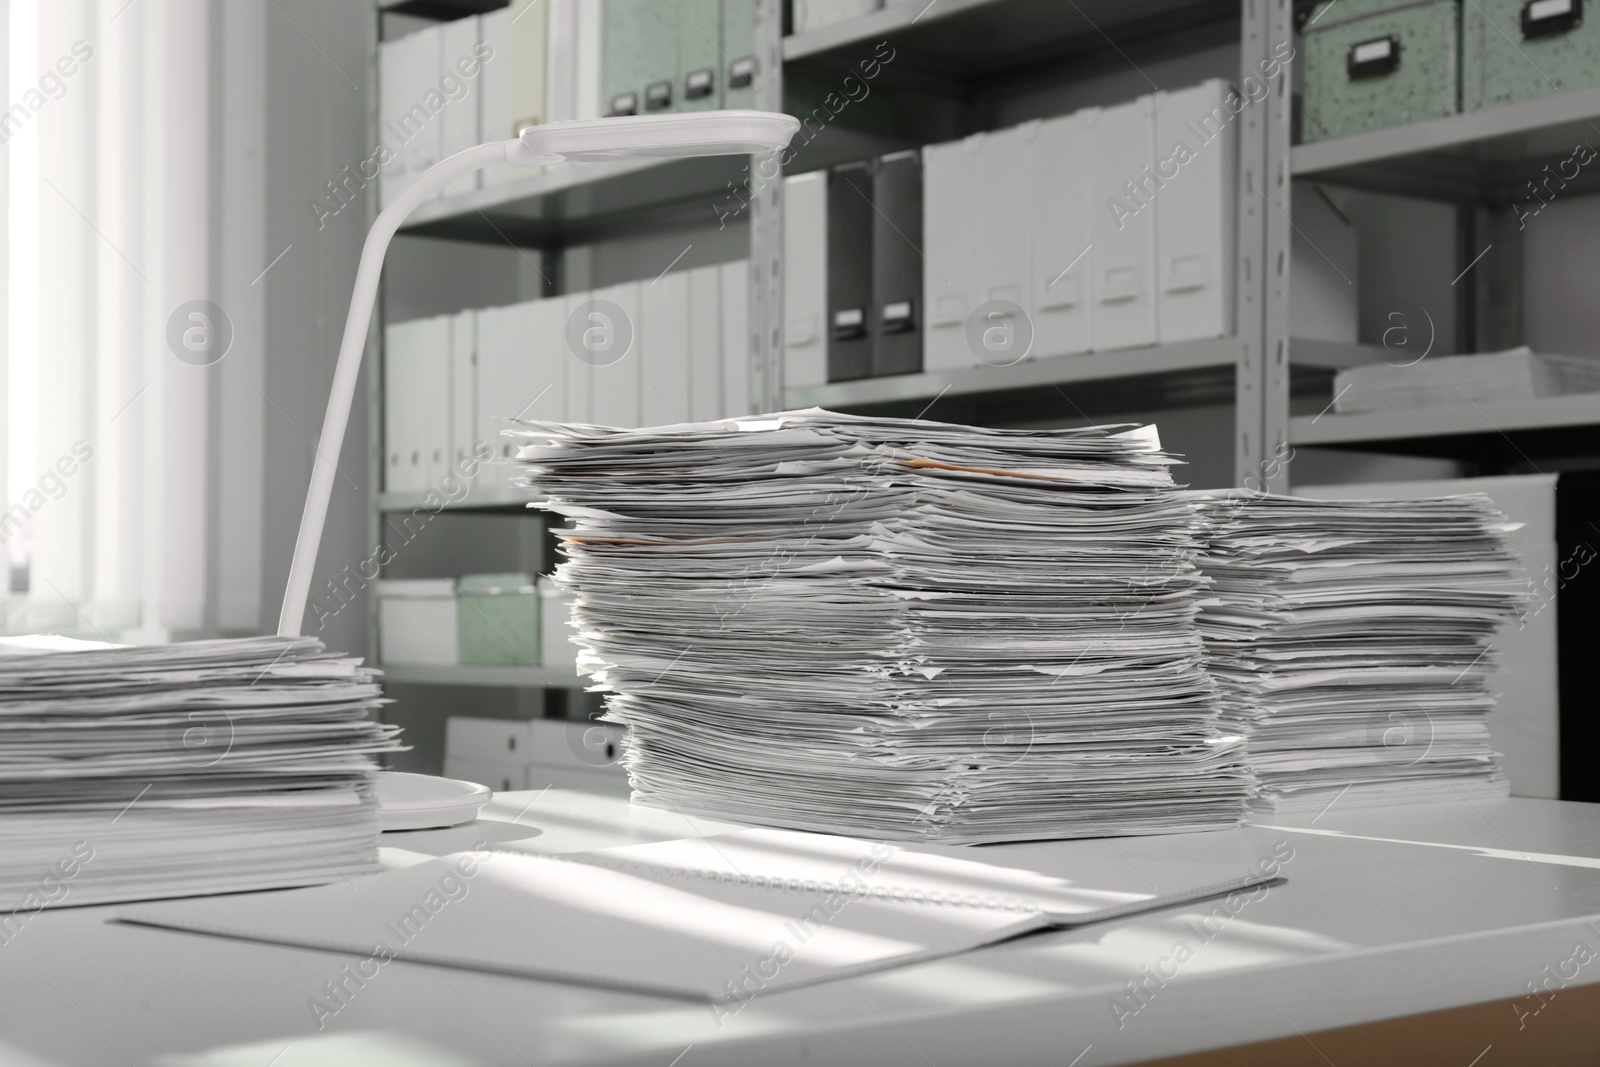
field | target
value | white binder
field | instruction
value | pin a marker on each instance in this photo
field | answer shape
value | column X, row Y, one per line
column 547, row 347
column 586, row 76
column 1063, row 259
column 805, row 287
column 508, row 383
column 424, row 66
column 1197, row 145
column 705, row 345
column 495, row 88
column 1122, row 217
column 736, row 398
column 950, row 192
column 463, row 392
column 1004, row 239
column 613, row 352
column 416, row 360
column 664, row 306
column 433, row 376
column 458, row 121
column 577, row 377
column 392, row 88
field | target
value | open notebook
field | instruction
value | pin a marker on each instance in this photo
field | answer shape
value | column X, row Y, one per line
column 712, row 919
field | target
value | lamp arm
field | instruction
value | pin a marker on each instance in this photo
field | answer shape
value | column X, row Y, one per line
column 357, row 323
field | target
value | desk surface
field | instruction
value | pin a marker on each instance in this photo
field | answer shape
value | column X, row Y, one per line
column 1385, row 914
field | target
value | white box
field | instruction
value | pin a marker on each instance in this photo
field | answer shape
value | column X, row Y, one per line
column 1122, row 216
column 950, row 192
column 590, row 746
column 499, row 776
column 577, row 375
column 464, row 425
column 664, row 309
column 502, row 740
column 417, row 620
column 1063, row 259
column 1197, row 151
column 1002, row 249
column 555, row 625
column 805, row 280
column 705, row 345
column 1323, row 274
column 810, row 14
column 612, row 345
column 458, row 121
column 736, row 338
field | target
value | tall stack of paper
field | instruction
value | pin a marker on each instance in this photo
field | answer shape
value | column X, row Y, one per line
column 893, row 627
column 1515, row 374
column 1351, row 639
column 203, row 767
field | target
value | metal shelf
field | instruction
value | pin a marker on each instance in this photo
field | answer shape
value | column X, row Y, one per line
column 521, row 677
column 574, row 203
column 1502, row 431
column 504, row 500
column 1475, row 157
column 958, row 39
column 1178, row 359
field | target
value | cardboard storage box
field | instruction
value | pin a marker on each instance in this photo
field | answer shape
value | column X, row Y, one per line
column 1520, row 49
column 1371, row 64
column 499, row 620
column 417, row 620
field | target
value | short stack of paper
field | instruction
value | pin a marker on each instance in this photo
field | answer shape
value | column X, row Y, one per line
column 1515, row 374
column 1352, row 640
column 129, row 773
column 895, row 628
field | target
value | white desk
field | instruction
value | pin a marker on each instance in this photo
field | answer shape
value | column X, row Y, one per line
column 1365, row 930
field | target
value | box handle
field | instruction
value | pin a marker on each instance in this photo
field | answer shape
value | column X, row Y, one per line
column 1545, row 18
column 1374, row 58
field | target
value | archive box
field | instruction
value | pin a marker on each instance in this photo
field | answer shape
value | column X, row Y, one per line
column 417, row 620
column 1520, row 49
column 499, row 620
column 1371, row 64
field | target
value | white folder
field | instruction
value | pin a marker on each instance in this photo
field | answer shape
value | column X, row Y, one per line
column 705, row 345
column 950, row 193
column 416, row 402
column 495, row 92
column 577, row 378
column 1063, row 259
column 424, row 67
column 1197, row 144
column 805, row 286
column 736, row 397
column 392, row 88
column 561, row 63
column 433, row 373
column 615, row 355
column 458, row 122
column 664, row 307
column 509, row 381
column 1123, row 224
column 586, row 76
column 464, row 426
column 1005, row 231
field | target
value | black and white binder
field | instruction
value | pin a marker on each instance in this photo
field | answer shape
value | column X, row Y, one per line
column 897, row 264
column 850, row 306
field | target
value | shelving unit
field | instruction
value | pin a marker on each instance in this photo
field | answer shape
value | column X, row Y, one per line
column 518, row 677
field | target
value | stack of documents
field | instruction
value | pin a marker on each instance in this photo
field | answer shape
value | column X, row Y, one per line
column 1515, row 374
column 1352, row 640
column 201, row 767
column 895, row 628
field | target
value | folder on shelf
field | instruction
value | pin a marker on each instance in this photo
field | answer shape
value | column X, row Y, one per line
column 433, row 377
column 416, row 401
column 805, row 280
column 392, row 86
column 850, row 224
column 1003, row 245
column 577, row 377
column 705, row 345
column 739, row 64
column 610, row 345
column 496, row 87
column 530, row 58
column 1197, row 156
column 464, row 425
column 1122, row 210
column 700, row 66
column 897, row 264
column 1063, row 259
column 736, row 352
column 621, row 64
column 810, row 14
column 949, row 222
column 659, row 28
column 458, row 120
column 519, row 375
column 664, row 309
column 586, row 58
column 561, row 61
column 424, row 66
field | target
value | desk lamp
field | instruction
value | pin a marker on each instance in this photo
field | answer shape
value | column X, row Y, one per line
column 703, row 133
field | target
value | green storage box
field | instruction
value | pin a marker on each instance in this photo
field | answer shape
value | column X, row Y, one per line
column 1520, row 49
column 498, row 620
column 1371, row 64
